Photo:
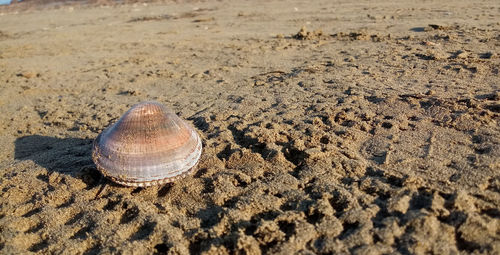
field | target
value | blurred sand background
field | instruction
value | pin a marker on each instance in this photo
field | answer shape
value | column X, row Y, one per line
column 329, row 127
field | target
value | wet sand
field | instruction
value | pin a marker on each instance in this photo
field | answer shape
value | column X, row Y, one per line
column 328, row 127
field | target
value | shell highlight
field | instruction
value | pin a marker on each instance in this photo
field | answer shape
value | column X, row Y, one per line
column 148, row 145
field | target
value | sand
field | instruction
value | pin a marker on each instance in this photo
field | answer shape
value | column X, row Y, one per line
column 329, row 127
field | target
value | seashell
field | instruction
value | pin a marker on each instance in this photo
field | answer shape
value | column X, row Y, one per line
column 148, row 145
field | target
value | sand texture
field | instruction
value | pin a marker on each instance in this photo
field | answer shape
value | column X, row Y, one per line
column 329, row 127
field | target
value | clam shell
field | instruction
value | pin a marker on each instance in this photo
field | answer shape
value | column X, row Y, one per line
column 149, row 145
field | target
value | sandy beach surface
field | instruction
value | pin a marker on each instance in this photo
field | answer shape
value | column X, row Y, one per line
column 329, row 127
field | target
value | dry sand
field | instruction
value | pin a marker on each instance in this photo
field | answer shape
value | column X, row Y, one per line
column 372, row 131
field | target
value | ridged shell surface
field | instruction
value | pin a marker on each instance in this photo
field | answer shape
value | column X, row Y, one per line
column 149, row 145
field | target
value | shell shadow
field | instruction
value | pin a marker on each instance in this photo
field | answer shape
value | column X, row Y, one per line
column 69, row 156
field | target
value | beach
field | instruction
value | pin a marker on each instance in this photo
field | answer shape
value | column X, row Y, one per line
column 328, row 127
